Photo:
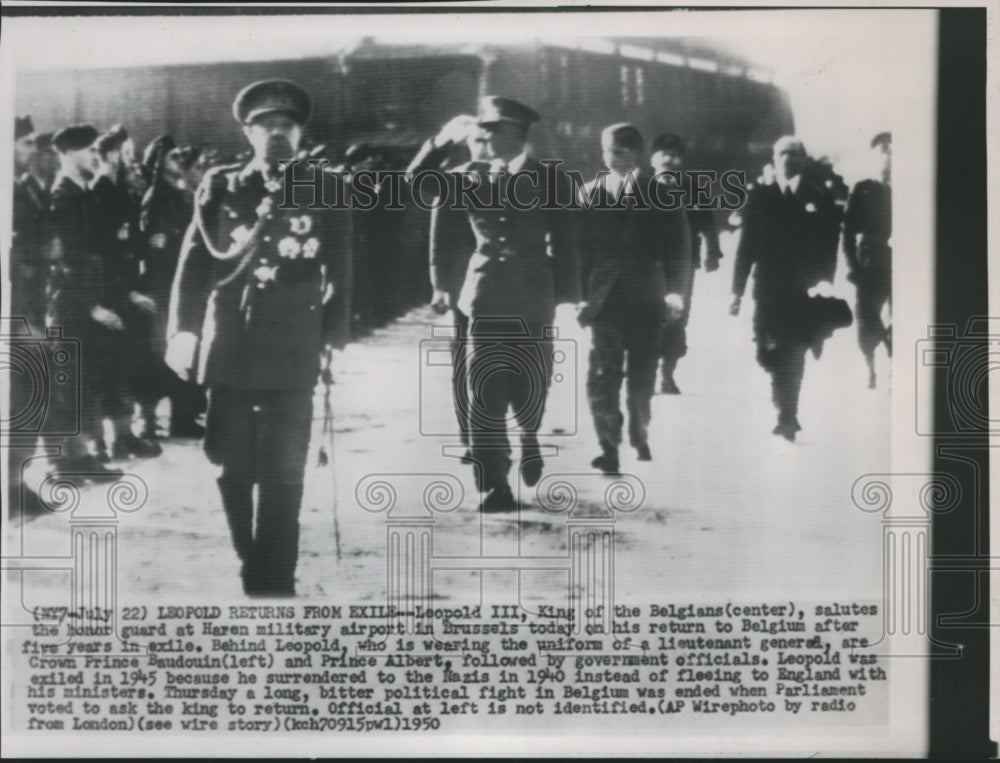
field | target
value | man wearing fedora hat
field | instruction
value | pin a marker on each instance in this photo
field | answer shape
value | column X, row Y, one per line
column 249, row 297
column 524, row 262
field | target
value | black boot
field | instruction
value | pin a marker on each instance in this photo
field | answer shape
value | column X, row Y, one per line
column 237, row 501
column 531, row 462
column 607, row 462
column 498, row 499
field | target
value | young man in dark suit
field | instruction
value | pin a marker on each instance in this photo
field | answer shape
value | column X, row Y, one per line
column 789, row 239
column 668, row 156
column 636, row 269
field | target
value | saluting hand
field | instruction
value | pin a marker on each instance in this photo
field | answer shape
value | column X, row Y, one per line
column 143, row 302
column 107, row 318
column 456, row 130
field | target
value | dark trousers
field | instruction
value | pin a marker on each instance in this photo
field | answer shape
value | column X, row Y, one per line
column 874, row 290
column 460, row 373
column 108, row 358
column 510, row 369
column 622, row 350
column 152, row 380
column 261, row 438
column 77, row 408
column 781, row 350
column 673, row 340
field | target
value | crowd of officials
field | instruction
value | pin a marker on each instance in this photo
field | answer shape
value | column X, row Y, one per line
column 180, row 274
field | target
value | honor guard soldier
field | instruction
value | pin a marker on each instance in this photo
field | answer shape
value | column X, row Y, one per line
column 77, row 292
column 28, row 270
column 164, row 216
column 789, row 240
column 867, row 232
column 127, row 352
column 252, row 287
column 31, row 208
column 524, row 262
column 668, row 155
column 636, row 271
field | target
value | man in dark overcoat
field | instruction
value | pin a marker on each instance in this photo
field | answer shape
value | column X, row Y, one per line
column 789, row 240
column 636, row 271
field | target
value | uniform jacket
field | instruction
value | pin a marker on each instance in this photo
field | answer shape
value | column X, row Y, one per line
column 791, row 243
column 503, row 261
column 116, row 221
column 76, row 280
column 632, row 256
column 259, row 315
column 869, row 213
column 29, row 263
column 166, row 211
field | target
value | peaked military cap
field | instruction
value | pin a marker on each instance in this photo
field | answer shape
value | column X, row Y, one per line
column 882, row 139
column 494, row 109
column 272, row 95
column 74, row 137
column 23, row 126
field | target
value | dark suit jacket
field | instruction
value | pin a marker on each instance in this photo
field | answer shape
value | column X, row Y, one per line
column 633, row 256
column 501, row 260
column 790, row 243
column 260, row 317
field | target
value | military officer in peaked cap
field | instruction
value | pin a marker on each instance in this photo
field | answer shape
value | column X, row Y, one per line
column 252, row 287
column 524, row 262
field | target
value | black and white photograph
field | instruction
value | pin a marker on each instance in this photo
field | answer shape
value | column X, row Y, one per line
column 495, row 380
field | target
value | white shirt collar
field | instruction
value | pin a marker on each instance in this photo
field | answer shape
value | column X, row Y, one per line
column 614, row 183
column 793, row 183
